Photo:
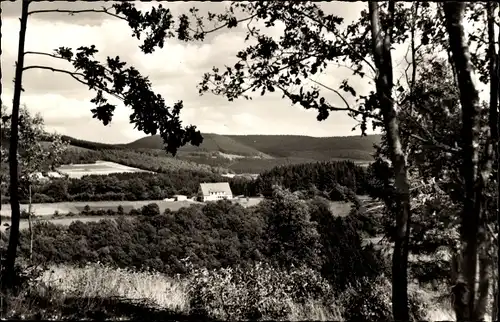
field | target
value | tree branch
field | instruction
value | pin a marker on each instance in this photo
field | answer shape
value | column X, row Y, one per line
column 43, row 54
column 333, row 90
column 221, row 26
column 60, row 57
column 436, row 144
column 72, row 74
column 341, row 38
column 330, row 107
column 72, row 12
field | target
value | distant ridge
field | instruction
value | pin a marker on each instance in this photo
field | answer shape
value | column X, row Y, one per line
column 277, row 146
column 232, row 153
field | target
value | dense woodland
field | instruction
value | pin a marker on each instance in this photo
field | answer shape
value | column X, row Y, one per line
column 217, row 235
column 325, row 177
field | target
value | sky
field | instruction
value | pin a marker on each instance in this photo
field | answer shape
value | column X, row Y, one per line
column 174, row 72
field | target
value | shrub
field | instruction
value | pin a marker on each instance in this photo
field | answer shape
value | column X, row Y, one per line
column 258, row 292
column 370, row 300
column 150, row 210
column 24, row 214
column 367, row 225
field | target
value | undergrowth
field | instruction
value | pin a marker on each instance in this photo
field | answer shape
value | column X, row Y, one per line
column 254, row 293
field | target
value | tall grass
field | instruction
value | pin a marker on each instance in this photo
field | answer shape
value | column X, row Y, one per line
column 103, row 282
column 235, row 294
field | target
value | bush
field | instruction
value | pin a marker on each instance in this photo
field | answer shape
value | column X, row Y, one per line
column 259, row 292
column 370, row 300
column 150, row 210
column 367, row 225
column 24, row 214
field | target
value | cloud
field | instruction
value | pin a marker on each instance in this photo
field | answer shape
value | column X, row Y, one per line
column 174, row 71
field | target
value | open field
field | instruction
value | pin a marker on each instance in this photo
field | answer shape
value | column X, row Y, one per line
column 98, row 168
column 48, row 209
column 45, row 211
column 248, row 202
column 61, row 221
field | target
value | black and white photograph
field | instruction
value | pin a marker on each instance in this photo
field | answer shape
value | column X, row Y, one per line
column 250, row 160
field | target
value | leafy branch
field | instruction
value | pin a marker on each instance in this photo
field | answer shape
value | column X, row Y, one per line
column 72, row 12
column 150, row 114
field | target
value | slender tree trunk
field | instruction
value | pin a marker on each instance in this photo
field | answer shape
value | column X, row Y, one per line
column 496, row 316
column 475, row 172
column 494, row 310
column 30, row 224
column 13, row 161
column 493, row 116
column 381, row 44
column 484, row 273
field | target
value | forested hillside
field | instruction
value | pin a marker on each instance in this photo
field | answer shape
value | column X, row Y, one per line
column 322, row 178
column 278, row 146
column 229, row 153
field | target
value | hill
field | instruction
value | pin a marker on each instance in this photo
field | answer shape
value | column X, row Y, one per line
column 277, row 146
column 230, row 153
column 211, row 143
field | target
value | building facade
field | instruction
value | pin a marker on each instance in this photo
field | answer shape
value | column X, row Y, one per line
column 215, row 191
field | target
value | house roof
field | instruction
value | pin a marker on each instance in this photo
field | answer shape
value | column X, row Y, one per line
column 206, row 188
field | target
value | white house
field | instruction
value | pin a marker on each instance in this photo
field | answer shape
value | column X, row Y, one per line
column 215, row 191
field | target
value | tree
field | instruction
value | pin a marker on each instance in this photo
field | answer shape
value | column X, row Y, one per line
column 476, row 167
column 431, row 131
column 34, row 157
column 494, row 121
column 291, row 235
column 150, row 112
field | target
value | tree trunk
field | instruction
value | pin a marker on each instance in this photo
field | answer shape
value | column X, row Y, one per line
column 494, row 310
column 494, row 121
column 30, row 224
column 9, row 275
column 475, row 174
column 484, row 274
column 496, row 71
column 384, row 83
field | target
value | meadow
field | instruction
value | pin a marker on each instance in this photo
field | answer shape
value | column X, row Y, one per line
column 48, row 209
column 75, row 207
column 97, row 168
column 57, row 213
column 60, row 221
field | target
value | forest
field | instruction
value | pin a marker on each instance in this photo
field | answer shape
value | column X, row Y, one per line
column 215, row 236
column 323, row 177
column 425, row 75
column 142, row 157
